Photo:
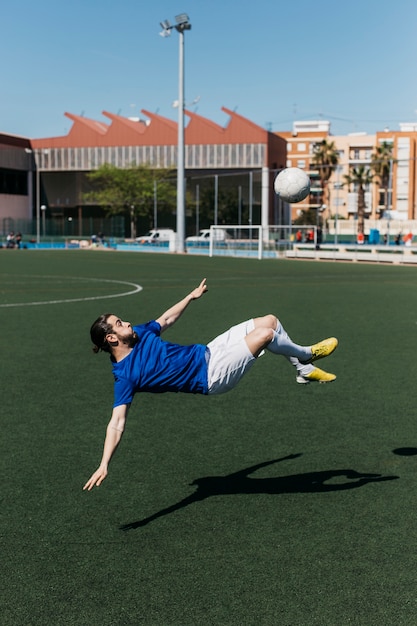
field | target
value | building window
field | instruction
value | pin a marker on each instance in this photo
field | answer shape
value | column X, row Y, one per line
column 13, row 182
column 248, row 154
column 219, row 156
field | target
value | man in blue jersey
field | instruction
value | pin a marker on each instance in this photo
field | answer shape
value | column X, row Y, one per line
column 142, row 361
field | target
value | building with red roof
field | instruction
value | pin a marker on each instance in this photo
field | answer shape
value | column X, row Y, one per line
column 240, row 148
column 16, row 188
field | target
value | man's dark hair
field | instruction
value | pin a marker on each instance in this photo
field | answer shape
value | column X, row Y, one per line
column 98, row 332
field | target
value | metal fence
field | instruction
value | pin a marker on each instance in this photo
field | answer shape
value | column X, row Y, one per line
column 65, row 227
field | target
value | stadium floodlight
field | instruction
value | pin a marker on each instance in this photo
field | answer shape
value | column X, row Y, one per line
column 182, row 24
column 182, row 18
column 166, row 28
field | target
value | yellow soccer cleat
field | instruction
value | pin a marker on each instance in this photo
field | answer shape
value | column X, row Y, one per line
column 317, row 375
column 322, row 349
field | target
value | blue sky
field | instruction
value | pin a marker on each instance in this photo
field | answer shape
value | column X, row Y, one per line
column 273, row 61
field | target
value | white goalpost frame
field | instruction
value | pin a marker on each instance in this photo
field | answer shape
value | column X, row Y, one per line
column 263, row 239
column 229, row 227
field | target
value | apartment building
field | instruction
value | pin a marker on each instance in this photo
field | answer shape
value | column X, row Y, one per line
column 354, row 150
column 401, row 196
column 397, row 202
column 301, row 141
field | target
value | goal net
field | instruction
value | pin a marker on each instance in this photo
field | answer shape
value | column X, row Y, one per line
column 258, row 241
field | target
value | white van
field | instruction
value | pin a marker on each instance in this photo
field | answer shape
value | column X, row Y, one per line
column 204, row 235
column 160, row 235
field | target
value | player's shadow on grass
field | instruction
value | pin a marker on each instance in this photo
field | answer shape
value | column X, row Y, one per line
column 240, row 483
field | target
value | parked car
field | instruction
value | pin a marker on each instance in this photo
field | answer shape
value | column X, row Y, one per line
column 160, row 235
column 204, row 235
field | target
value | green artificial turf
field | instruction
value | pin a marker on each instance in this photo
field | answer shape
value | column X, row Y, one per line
column 277, row 504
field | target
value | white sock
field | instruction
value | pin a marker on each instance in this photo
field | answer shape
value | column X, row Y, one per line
column 302, row 370
column 282, row 344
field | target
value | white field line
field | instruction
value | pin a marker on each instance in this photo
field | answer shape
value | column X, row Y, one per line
column 136, row 289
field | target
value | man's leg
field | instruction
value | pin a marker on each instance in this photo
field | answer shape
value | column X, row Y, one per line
column 234, row 352
column 307, row 372
column 269, row 334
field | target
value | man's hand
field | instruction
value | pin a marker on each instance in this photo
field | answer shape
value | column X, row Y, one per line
column 96, row 479
column 170, row 317
column 114, row 434
column 198, row 291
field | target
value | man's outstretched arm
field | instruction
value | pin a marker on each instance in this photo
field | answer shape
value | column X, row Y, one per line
column 114, row 434
column 170, row 316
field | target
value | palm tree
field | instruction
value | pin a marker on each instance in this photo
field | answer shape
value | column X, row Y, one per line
column 381, row 164
column 325, row 158
column 360, row 177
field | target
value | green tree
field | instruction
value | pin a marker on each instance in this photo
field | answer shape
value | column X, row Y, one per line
column 310, row 217
column 325, row 158
column 381, row 163
column 360, row 177
column 132, row 191
column 227, row 201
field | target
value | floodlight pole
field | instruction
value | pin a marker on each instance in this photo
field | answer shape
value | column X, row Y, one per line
column 38, row 197
column 38, row 152
column 181, row 150
column 35, row 168
column 182, row 24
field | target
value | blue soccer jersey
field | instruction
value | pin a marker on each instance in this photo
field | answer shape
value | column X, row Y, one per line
column 157, row 366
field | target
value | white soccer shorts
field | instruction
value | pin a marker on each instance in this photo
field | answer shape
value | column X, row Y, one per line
column 230, row 358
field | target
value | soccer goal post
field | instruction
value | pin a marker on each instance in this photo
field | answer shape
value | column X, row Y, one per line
column 258, row 241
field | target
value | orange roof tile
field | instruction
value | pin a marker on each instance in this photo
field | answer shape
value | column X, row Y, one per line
column 242, row 130
column 160, row 130
column 201, row 130
column 124, row 131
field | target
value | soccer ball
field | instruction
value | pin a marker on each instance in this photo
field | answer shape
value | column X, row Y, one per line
column 292, row 184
